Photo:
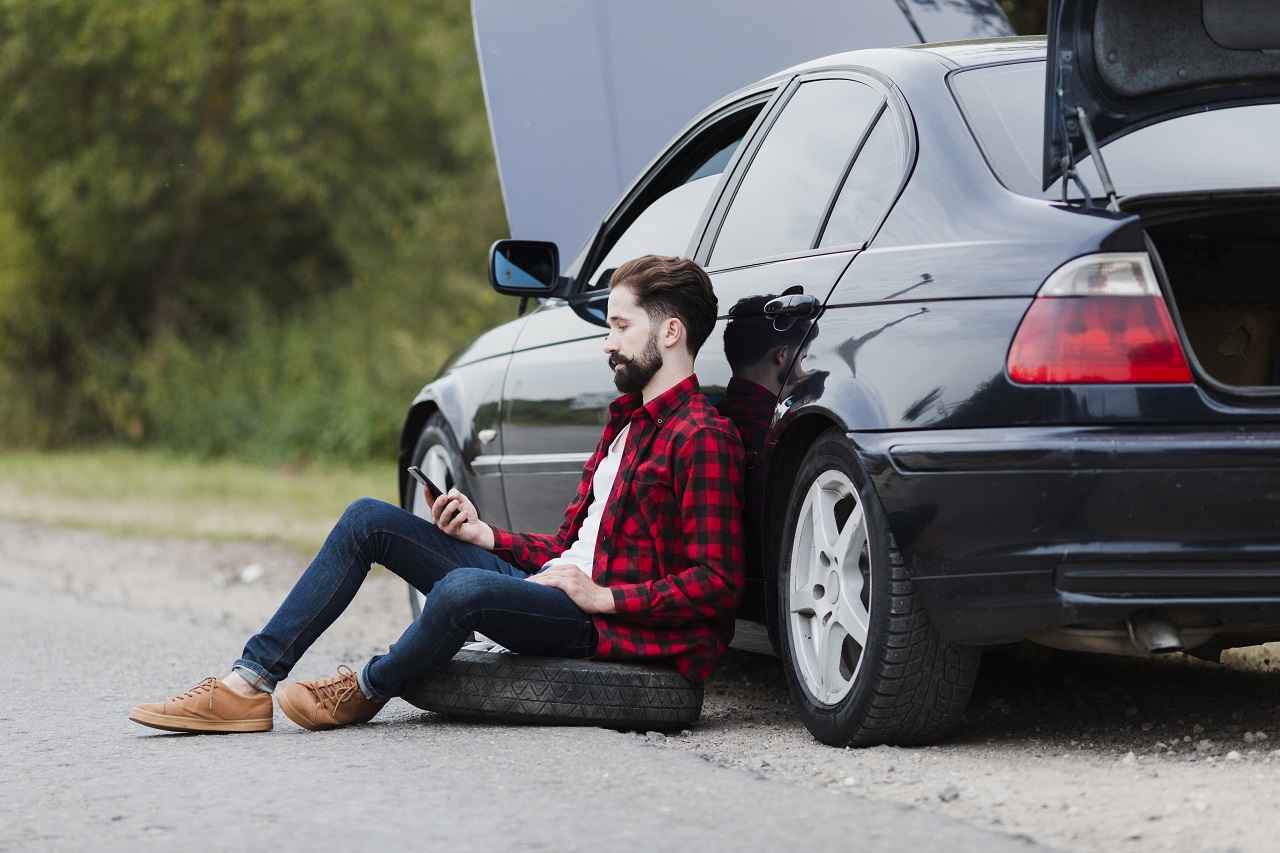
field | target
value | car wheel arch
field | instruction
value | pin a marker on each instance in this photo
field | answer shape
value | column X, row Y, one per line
column 414, row 421
column 430, row 402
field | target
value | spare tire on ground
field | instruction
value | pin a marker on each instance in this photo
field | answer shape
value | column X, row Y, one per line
column 558, row 691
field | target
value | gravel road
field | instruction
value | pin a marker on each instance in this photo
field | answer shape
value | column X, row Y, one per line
column 1076, row 753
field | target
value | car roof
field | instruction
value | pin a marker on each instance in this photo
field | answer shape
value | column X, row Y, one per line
column 964, row 54
column 958, row 54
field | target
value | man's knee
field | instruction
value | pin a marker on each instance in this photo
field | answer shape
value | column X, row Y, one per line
column 464, row 591
column 364, row 513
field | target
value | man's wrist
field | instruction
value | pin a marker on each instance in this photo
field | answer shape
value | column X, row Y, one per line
column 608, row 604
column 502, row 539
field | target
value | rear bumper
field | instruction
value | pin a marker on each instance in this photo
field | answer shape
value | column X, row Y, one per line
column 1013, row 532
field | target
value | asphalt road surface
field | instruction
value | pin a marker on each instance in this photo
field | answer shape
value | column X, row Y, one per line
column 78, row 775
column 1077, row 752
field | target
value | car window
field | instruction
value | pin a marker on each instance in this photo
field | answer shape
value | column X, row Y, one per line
column 871, row 183
column 666, row 226
column 1219, row 149
column 784, row 196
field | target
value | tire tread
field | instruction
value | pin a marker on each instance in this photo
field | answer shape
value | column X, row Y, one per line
column 923, row 686
column 556, row 691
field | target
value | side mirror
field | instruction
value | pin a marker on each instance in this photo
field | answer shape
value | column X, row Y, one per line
column 524, row 267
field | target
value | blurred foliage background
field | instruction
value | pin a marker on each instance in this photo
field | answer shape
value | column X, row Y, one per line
column 237, row 227
column 241, row 228
column 1027, row 16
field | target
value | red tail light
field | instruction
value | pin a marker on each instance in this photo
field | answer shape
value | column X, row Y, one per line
column 1100, row 318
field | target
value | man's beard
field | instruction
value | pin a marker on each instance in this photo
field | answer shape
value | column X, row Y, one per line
column 636, row 372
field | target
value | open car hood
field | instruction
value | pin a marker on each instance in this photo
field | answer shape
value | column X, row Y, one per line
column 1131, row 63
column 583, row 94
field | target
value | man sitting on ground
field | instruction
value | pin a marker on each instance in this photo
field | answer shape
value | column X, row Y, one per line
column 647, row 563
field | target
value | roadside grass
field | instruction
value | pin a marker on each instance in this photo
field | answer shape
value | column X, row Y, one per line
column 153, row 493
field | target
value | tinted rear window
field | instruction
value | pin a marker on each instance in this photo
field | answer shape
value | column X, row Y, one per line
column 1221, row 149
column 875, row 175
column 781, row 202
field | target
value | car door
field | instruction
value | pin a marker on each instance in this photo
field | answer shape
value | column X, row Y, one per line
column 558, row 387
column 800, row 210
column 807, row 197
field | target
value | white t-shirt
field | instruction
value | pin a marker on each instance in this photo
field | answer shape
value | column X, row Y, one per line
column 582, row 553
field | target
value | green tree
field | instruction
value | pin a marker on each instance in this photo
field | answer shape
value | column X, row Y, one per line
column 190, row 184
column 1027, row 16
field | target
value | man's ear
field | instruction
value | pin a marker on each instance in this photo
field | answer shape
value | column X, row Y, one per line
column 779, row 355
column 672, row 331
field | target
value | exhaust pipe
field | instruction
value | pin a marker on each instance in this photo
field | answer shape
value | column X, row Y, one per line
column 1152, row 634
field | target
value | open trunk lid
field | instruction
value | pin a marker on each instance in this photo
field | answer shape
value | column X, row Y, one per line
column 1115, row 66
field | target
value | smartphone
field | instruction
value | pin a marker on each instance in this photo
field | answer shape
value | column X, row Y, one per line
column 416, row 473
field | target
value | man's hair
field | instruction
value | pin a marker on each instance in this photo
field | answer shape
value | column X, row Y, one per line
column 750, row 334
column 671, row 287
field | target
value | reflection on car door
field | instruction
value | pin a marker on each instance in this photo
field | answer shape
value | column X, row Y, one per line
column 809, row 193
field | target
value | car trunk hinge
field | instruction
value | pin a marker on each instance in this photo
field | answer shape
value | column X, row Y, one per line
column 1077, row 121
column 1086, row 130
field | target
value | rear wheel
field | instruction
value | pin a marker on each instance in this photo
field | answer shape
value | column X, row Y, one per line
column 436, row 453
column 864, row 664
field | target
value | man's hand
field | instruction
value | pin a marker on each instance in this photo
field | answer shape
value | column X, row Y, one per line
column 456, row 515
column 582, row 591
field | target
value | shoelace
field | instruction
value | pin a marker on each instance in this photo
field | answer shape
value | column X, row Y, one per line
column 208, row 684
column 337, row 690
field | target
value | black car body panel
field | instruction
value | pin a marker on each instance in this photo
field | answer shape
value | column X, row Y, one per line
column 1012, row 532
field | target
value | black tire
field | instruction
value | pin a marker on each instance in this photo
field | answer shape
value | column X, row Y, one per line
column 558, row 691
column 443, row 467
column 902, row 685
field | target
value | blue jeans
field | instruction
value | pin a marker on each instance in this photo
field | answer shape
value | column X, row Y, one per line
column 467, row 589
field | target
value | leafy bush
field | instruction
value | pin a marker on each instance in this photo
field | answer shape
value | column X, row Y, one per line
column 236, row 227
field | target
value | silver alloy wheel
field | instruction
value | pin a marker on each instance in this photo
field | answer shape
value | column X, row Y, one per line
column 830, row 587
column 435, row 464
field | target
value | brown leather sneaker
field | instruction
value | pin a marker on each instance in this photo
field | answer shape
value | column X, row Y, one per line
column 328, row 704
column 210, row 706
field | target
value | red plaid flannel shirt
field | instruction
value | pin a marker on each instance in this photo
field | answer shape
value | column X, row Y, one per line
column 670, row 542
column 750, row 407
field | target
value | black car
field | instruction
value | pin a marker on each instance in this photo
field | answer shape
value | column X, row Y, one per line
column 1005, row 371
